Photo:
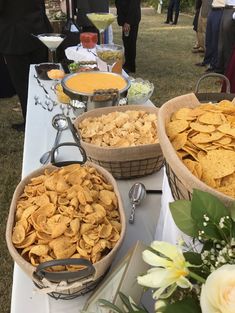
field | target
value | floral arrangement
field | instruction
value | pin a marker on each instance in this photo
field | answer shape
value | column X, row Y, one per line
column 198, row 277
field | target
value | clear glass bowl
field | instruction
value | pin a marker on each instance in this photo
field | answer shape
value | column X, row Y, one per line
column 110, row 53
column 140, row 91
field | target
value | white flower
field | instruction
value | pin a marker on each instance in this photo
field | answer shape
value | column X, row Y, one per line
column 221, row 222
column 169, row 271
column 218, row 292
column 159, row 306
column 206, row 218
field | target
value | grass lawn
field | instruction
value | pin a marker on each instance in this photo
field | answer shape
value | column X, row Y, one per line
column 164, row 57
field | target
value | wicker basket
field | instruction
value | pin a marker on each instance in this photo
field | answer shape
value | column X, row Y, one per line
column 181, row 180
column 73, row 285
column 128, row 162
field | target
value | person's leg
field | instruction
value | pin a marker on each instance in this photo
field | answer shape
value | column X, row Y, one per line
column 170, row 12
column 6, row 87
column 203, row 34
column 18, row 66
column 215, row 37
column 208, row 40
column 177, row 11
column 130, row 48
column 226, row 39
column 200, row 32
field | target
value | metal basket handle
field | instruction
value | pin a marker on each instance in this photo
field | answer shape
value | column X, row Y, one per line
column 41, row 270
column 59, row 164
column 216, row 75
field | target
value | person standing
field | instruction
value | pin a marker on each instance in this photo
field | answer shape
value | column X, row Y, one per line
column 198, row 4
column 173, row 6
column 19, row 21
column 226, row 36
column 201, row 29
column 129, row 16
column 212, row 35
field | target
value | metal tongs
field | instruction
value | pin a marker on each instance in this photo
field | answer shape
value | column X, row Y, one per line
column 136, row 195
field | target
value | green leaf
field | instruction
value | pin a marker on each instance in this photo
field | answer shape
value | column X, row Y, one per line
column 181, row 213
column 139, row 310
column 212, row 232
column 233, row 230
column 193, row 258
column 205, row 203
column 232, row 211
column 110, row 305
column 126, row 301
column 188, row 305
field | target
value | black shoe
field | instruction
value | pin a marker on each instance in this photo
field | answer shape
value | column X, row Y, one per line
column 174, row 23
column 19, row 127
column 200, row 64
column 166, row 22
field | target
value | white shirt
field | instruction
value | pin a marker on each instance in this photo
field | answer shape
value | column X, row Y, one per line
column 218, row 3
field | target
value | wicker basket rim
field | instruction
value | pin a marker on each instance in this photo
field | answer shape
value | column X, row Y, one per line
column 145, row 146
column 181, row 171
column 109, row 154
column 28, row 267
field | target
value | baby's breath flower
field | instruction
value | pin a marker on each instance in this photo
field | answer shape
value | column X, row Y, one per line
column 221, row 222
column 206, row 218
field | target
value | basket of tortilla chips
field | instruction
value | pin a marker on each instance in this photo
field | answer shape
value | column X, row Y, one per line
column 198, row 143
column 65, row 226
column 122, row 139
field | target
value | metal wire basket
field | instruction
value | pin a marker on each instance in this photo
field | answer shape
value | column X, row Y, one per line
column 181, row 180
column 124, row 162
column 64, row 284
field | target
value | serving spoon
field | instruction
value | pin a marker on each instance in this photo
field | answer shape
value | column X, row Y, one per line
column 136, row 195
column 60, row 123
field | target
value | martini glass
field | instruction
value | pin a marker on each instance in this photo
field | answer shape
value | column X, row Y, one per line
column 101, row 21
column 110, row 53
column 52, row 41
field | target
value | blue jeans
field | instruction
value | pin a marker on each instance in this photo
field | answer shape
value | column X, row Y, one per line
column 212, row 37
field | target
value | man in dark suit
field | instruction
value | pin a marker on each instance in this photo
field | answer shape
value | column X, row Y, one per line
column 129, row 16
column 18, row 21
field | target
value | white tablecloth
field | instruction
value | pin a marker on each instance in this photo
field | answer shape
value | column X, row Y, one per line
column 39, row 137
